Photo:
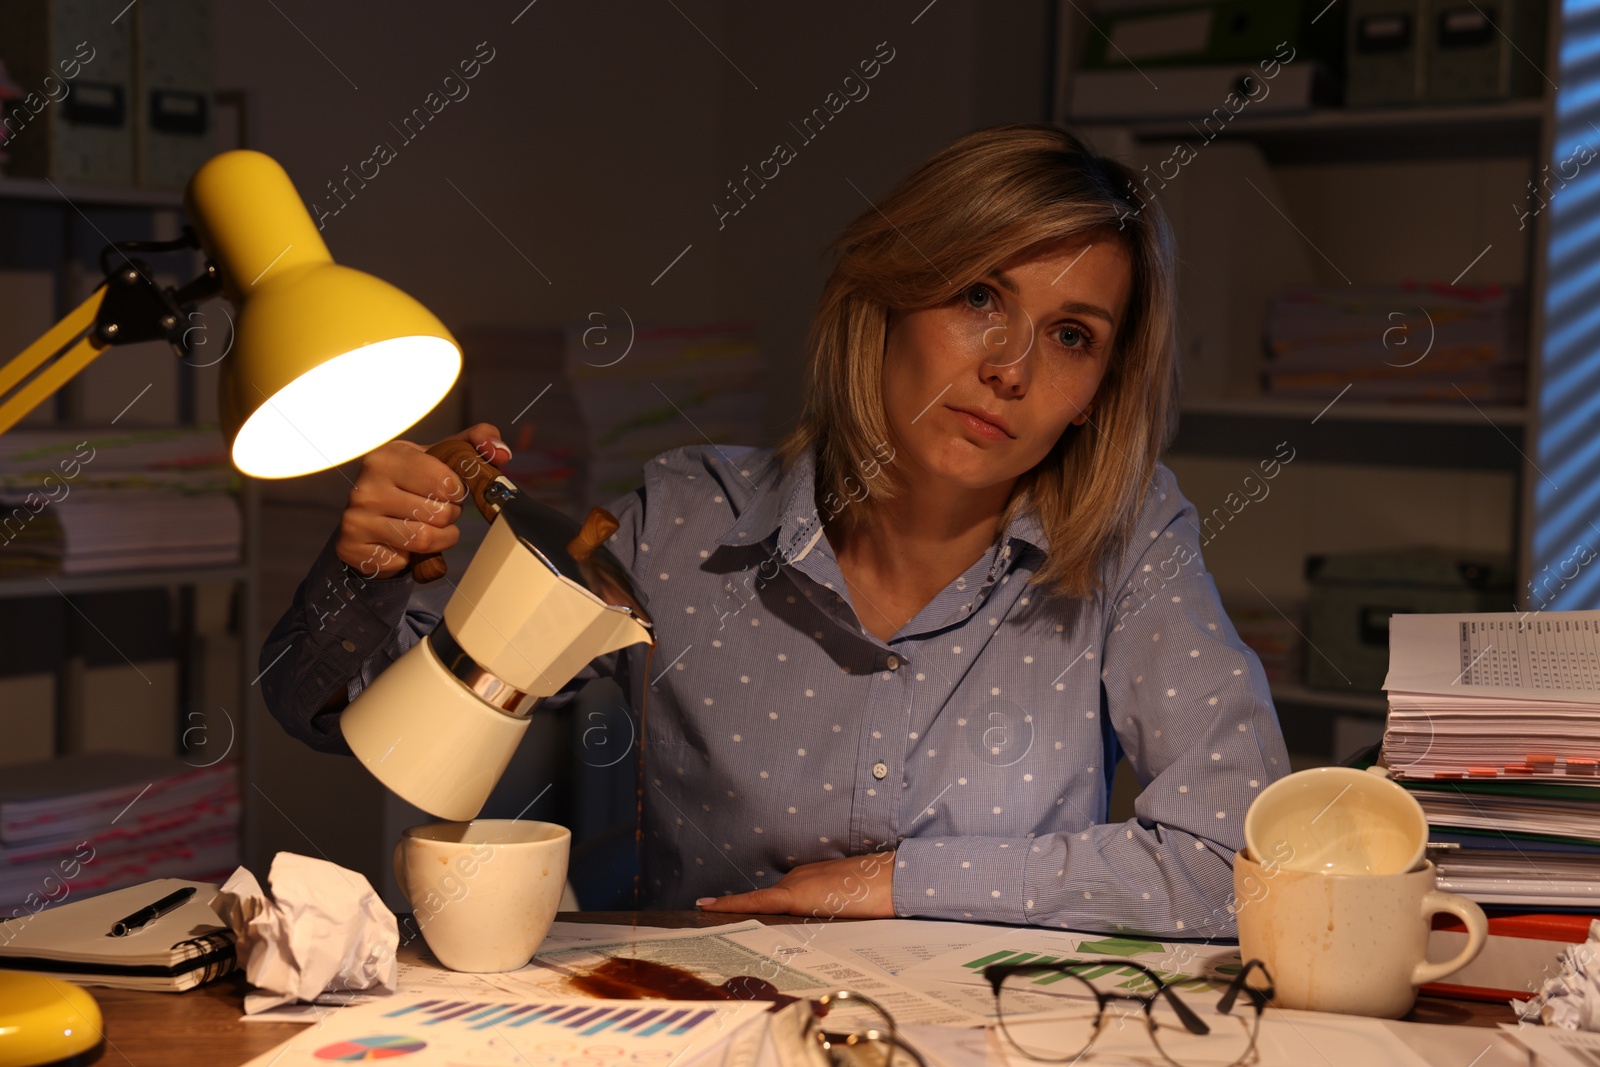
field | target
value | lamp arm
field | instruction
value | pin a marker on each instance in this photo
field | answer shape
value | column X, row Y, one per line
column 130, row 307
column 32, row 376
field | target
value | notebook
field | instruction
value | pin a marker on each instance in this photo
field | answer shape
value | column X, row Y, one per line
column 182, row 949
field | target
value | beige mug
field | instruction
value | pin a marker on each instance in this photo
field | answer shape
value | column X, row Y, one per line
column 1350, row 943
column 485, row 892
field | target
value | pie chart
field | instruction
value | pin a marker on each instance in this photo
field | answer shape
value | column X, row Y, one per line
column 381, row 1047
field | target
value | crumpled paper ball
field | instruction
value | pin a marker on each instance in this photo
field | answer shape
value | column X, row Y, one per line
column 323, row 930
column 1569, row 999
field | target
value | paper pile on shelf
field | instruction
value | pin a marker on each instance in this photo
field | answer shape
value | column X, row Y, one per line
column 87, row 824
column 670, row 386
column 1494, row 725
column 1418, row 343
column 89, row 502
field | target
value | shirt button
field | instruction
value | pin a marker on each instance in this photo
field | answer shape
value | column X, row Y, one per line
column 880, row 769
column 893, row 663
column 349, row 645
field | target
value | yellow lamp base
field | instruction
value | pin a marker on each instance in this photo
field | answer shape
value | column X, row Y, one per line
column 47, row 1022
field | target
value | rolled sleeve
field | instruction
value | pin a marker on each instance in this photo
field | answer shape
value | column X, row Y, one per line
column 962, row 877
column 339, row 632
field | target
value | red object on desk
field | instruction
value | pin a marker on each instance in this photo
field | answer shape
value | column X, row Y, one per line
column 1522, row 950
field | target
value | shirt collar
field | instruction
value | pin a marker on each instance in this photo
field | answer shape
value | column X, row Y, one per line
column 782, row 503
column 786, row 504
column 1026, row 527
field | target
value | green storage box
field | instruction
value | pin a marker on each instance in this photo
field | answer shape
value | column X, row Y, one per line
column 172, row 98
column 1222, row 32
column 1353, row 594
column 1384, row 53
column 74, row 59
column 1484, row 50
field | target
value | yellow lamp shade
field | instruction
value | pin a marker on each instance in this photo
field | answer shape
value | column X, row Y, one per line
column 327, row 362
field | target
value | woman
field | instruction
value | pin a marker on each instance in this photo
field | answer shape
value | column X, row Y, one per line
column 899, row 656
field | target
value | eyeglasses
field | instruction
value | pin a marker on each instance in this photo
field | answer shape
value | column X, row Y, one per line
column 853, row 1030
column 1052, row 1012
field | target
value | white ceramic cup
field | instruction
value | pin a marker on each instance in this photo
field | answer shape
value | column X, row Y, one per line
column 485, row 892
column 1350, row 943
column 1337, row 820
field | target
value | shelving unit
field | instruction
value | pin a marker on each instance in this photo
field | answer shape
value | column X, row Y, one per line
column 13, row 588
column 98, row 195
column 1462, row 131
column 59, row 227
column 1363, row 704
column 1375, row 453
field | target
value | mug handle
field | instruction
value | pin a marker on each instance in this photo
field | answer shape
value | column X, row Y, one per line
column 400, row 872
column 1477, row 933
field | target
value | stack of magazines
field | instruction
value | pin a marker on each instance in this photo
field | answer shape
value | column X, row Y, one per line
column 1494, row 726
column 83, row 825
column 1415, row 343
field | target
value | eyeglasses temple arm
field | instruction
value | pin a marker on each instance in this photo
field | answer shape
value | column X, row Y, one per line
column 1225, row 1005
column 1191, row 1022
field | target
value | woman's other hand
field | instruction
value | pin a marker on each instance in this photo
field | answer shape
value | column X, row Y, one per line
column 852, row 887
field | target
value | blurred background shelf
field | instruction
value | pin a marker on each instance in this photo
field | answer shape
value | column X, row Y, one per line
column 12, row 588
column 1295, row 693
column 1342, row 135
column 1381, row 435
column 79, row 193
column 1354, row 411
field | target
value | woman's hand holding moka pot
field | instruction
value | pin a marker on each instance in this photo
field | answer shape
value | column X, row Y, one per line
column 405, row 501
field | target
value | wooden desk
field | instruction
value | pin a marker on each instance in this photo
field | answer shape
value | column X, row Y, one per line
column 202, row 1027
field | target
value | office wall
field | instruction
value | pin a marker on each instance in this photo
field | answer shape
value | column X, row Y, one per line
column 579, row 164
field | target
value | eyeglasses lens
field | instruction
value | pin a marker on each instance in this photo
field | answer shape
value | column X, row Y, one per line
column 1228, row 1042
column 1048, row 1015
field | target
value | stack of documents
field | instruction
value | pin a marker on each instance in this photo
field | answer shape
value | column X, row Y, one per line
column 1400, row 343
column 928, row 974
column 86, row 824
column 1494, row 725
column 82, row 502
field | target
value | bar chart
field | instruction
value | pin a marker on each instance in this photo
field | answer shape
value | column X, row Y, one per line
column 583, row 1020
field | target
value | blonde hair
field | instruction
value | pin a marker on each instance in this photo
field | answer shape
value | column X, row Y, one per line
column 969, row 209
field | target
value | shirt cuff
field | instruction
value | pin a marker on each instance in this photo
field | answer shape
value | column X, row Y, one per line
column 351, row 614
column 962, row 878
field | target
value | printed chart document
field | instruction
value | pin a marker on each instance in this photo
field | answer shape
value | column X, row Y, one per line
column 1495, row 696
column 421, row 973
column 517, row 1032
column 1554, row 655
column 1556, row 1047
column 928, row 973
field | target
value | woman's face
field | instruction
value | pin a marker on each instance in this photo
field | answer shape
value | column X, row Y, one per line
column 979, row 389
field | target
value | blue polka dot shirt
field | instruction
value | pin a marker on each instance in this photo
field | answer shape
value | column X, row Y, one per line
column 977, row 745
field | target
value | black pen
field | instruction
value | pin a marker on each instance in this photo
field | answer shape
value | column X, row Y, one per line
column 154, row 911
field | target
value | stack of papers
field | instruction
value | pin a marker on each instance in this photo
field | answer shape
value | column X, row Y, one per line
column 81, row 502
column 86, row 824
column 1400, row 342
column 1494, row 725
column 928, row 973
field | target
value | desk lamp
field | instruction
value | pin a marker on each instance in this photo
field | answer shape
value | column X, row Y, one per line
column 327, row 362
